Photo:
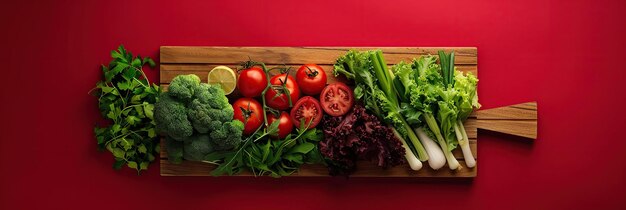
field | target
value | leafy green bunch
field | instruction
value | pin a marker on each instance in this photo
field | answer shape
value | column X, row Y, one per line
column 264, row 156
column 126, row 98
column 437, row 96
column 375, row 86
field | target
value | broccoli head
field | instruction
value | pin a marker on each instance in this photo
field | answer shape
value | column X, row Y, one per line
column 170, row 117
column 184, row 86
column 198, row 117
column 197, row 147
column 228, row 136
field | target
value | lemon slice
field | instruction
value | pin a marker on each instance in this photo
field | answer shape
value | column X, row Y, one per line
column 225, row 77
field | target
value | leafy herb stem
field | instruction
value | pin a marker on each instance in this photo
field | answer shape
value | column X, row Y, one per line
column 140, row 82
column 245, row 145
column 126, row 134
column 119, row 93
column 131, row 106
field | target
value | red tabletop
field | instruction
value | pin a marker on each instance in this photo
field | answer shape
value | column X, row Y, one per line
column 566, row 55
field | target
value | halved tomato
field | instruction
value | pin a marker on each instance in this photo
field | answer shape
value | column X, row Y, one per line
column 337, row 99
column 308, row 110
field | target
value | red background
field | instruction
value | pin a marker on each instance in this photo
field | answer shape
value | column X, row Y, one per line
column 567, row 55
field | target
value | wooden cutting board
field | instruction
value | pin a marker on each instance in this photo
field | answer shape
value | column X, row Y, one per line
column 518, row 120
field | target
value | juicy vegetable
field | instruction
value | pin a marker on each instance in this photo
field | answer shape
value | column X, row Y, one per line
column 285, row 124
column 306, row 111
column 199, row 115
column 336, row 99
column 311, row 79
column 376, row 87
column 359, row 135
column 126, row 99
column 250, row 112
column 252, row 81
column 283, row 92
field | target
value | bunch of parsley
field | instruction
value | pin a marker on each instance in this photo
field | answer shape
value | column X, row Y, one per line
column 126, row 98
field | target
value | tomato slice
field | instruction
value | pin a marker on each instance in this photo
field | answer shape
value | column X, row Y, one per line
column 337, row 99
column 307, row 108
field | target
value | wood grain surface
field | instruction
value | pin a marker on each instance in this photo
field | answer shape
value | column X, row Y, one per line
column 519, row 120
column 200, row 60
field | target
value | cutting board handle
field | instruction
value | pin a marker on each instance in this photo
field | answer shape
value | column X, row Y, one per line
column 518, row 120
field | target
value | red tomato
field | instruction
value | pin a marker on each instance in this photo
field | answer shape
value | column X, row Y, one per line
column 336, row 99
column 311, row 79
column 307, row 108
column 276, row 99
column 251, row 82
column 250, row 112
column 285, row 125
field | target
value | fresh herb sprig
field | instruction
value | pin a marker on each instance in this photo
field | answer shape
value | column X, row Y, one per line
column 263, row 156
column 284, row 157
column 126, row 98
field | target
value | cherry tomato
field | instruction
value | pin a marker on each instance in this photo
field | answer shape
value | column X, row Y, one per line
column 250, row 112
column 275, row 98
column 307, row 108
column 336, row 99
column 311, row 79
column 285, row 124
column 251, row 82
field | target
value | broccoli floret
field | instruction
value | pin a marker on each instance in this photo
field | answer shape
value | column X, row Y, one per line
column 197, row 147
column 223, row 115
column 212, row 95
column 184, row 86
column 170, row 117
column 199, row 116
column 228, row 136
column 210, row 109
column 174, row 150
column 215, row 125
column 206, row 119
